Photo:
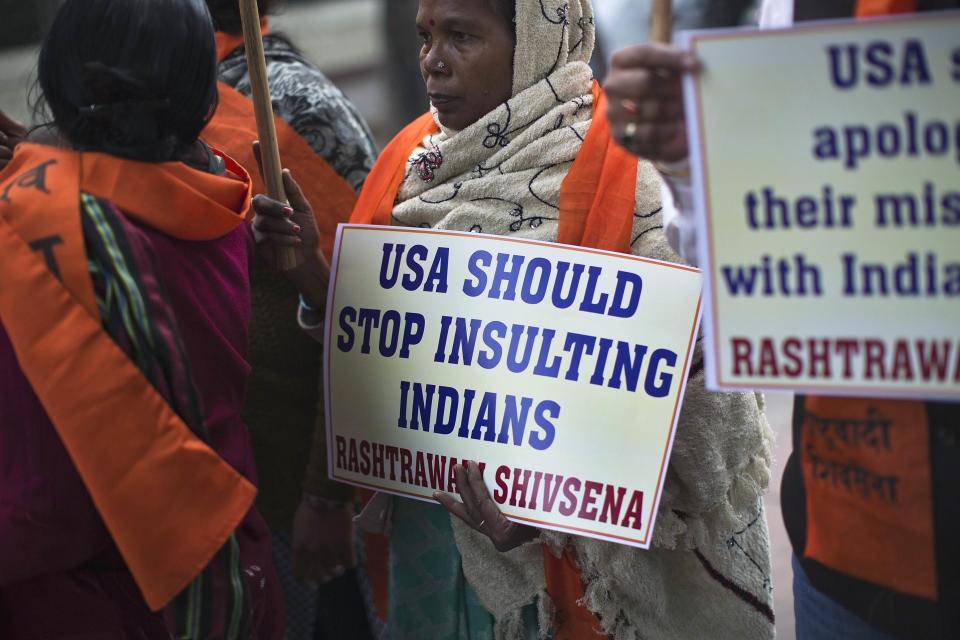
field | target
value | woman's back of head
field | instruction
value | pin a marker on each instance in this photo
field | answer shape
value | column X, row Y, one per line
column 134, row 78
column 226, row 13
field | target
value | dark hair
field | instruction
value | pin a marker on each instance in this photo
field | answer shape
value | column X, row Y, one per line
column 226, row 13
column 507, row 9
column 133, row 78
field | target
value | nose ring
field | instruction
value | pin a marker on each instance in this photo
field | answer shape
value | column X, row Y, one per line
column 442, row 66
column 629, row 136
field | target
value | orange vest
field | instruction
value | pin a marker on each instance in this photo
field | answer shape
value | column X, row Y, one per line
column 597, row 201
column 234, row 128
column 168, row 501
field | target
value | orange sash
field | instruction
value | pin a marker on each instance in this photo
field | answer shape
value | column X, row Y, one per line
column 598, row 196
column 169, row 501
column 867, row 8
column 234, row 128
column 572, row 621
column 379, row 193
column 597, row 200
column 866, row 474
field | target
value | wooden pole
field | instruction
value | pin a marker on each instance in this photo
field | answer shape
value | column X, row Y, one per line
column 661, row 21
column 287, row 257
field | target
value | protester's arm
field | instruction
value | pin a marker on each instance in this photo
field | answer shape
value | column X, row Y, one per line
column 40, row 534
column 36, row 542
column 278, row 225
column 646, row 100
column 646, row 113
column 322, row 539
column 323, row 524
column 48, row 522
column 316, row 482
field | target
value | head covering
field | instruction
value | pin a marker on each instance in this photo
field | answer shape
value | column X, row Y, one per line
column 550, row 35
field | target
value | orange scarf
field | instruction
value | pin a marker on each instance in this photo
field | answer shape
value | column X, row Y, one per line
column 597, row 200
column 867, row 8
column 169, row 501
column 234, row 128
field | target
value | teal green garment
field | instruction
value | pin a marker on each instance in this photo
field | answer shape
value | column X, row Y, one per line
column 429, row 595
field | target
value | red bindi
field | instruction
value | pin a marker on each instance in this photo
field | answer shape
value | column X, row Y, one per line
column 433, row 23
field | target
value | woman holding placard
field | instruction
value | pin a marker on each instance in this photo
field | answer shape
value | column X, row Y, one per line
column 514, row 108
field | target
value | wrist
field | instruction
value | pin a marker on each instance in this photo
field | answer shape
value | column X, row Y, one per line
column 311, row 279
column 675, row 169
column 319, row 503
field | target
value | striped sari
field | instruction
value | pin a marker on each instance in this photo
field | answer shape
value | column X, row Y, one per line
column 137, row 314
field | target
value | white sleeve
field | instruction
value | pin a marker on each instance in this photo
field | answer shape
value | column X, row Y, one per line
column 776, row 13
column 678, row 213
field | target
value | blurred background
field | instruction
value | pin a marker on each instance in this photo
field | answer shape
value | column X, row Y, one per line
column 346, row 38
column 369, row 48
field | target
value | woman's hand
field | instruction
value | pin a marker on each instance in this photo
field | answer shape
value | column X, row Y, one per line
column 322, row 541
column 646, row 100
column 12, row 133
column 480, row 512
column 278, row 225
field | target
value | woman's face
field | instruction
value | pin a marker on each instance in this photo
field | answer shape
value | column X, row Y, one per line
column 466, row 59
